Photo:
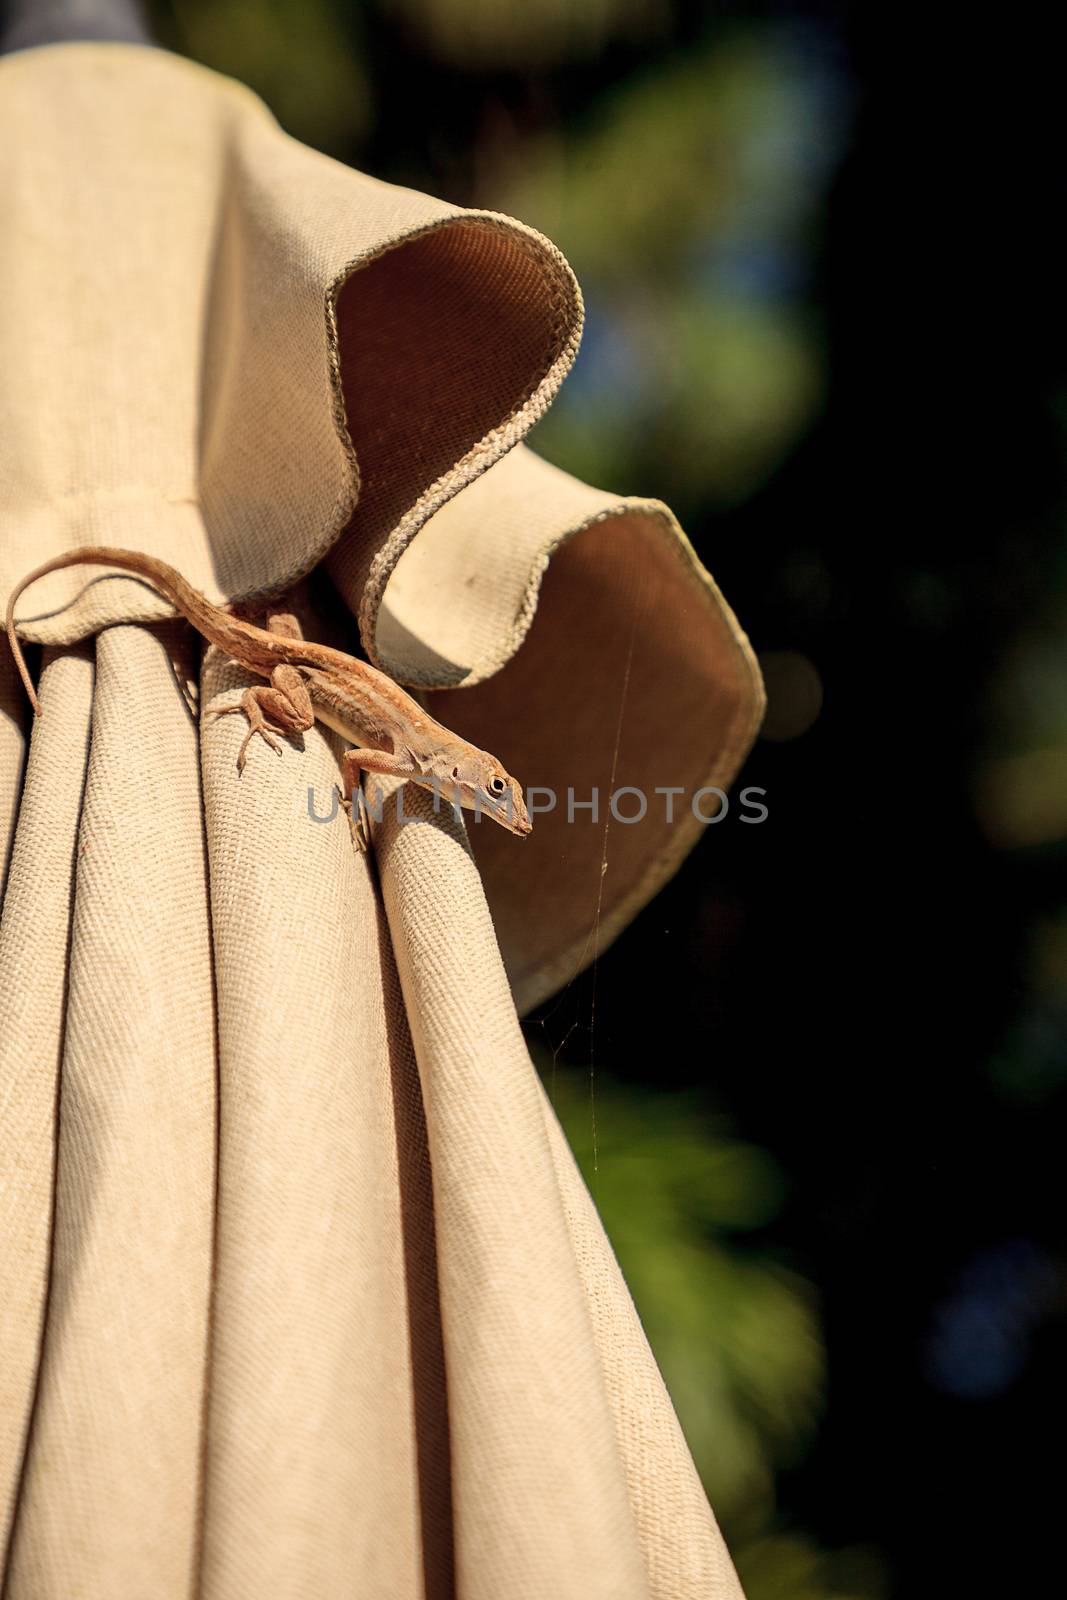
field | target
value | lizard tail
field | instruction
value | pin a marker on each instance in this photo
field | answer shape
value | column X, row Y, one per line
column 170, row 583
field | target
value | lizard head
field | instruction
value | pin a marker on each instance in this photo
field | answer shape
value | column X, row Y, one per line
column 479, row 782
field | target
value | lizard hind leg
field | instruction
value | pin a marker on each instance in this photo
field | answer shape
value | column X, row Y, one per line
column 282, row 706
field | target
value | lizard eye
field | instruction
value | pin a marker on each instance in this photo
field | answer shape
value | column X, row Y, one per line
column 455, row 772
column 497, row 786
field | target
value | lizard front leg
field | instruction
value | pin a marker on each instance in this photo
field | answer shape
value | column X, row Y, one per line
column 283, row 706
column 355, row 762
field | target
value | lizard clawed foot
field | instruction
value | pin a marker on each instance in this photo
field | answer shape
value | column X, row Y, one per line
column 262, row 730
column 260, row 725
column 357, row 821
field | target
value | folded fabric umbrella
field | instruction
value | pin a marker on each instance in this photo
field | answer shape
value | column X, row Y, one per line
column 301, row 1293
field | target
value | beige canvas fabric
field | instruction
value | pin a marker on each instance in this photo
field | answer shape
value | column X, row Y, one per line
column 300, row 1291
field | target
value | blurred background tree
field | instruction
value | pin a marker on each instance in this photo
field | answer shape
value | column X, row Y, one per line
column 820, row 252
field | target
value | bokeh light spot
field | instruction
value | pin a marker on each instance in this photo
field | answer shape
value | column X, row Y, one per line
column 794, row 694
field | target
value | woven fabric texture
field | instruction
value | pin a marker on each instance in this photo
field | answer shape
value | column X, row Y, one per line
column 301, row 1294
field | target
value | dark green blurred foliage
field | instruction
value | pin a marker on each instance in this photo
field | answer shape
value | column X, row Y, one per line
column 687, row 201
column 736, row 1333
column 300, row 56
column 536, row 33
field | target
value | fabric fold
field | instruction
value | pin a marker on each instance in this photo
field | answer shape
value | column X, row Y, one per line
column 312, row 1478
column 594, row 653
column 537, row 1320
column 118, row 1394
column 34, row 945
column 313, row 352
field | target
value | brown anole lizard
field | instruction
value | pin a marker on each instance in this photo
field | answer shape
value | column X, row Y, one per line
column 394, row 736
